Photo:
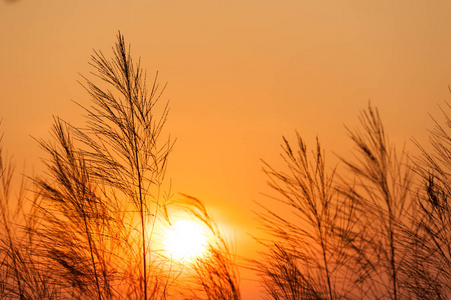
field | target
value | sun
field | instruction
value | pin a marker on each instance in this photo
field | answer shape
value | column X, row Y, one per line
column 185, row 241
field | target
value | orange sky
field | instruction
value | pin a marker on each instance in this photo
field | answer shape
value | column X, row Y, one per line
column 240, row 74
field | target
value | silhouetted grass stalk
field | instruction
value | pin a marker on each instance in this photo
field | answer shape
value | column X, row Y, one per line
column 305, row 248
column 382, row 187
column 106, row 174
column 432, row 264
column 215, row 273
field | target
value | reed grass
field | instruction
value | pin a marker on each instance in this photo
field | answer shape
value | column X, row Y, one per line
column 380, row 228
column 365, row 232
column 90, row 232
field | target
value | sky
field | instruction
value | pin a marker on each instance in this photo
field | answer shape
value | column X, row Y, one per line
column 240, row 75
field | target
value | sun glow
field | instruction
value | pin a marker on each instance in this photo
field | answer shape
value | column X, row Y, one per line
column 185, row 241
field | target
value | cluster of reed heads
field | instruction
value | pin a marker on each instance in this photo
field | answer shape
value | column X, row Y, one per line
column 88, row 228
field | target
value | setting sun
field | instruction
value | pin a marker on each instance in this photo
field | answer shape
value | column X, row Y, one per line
column 185, row 240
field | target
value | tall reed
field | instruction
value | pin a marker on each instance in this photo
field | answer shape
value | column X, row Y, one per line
column 102, row 192
column 213, row 274
column 346, row 237
column 306, row 257
column 430, row 268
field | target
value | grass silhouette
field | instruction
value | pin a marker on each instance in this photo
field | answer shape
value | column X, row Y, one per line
column 88, row 228
column 368, row 232
column 90, row 233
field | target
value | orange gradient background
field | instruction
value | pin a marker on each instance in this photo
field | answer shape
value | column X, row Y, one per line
column 240, row 75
